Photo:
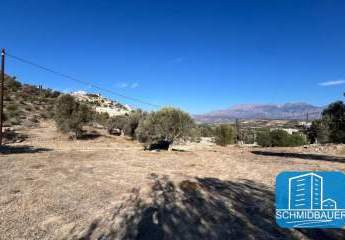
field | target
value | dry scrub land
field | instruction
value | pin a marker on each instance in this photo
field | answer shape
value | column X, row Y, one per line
column 107, row 187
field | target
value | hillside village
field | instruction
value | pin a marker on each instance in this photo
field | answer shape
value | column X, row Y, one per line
column 102, row 104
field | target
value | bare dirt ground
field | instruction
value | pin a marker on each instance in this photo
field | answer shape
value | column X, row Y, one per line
column 107, row 187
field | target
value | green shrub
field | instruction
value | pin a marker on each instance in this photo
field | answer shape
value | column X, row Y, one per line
column 318, row 131
column 248, row 135
column 51, row 111
column 206, row 130
column 280, row 138
column 225, row 135
column 132, row 123
column 334, row 117
column 12, row 107
column 331, row 127
column 14, row 121
column 296, row 140
column 12, row 84
column 12, row 111
column 117, row 123
column 101, row 118
column 263, row 138
column 70, row 116
column 49, row 93
column 164, row 126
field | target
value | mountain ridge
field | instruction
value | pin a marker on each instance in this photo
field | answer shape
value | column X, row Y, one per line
column 286, row 111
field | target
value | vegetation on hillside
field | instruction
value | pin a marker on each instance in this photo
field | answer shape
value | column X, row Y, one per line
column 25, row 104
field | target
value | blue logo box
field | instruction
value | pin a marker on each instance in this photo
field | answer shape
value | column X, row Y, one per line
column 310, row 199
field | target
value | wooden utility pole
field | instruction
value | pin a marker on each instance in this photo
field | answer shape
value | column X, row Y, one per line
column 238, row 134
column 2, row 92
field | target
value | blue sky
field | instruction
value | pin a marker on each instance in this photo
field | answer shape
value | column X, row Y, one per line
column 196, row 55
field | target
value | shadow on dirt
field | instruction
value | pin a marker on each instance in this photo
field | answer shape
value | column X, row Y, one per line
column 89, row 135
column 11, row 136
column 306, row 156
column 207, row 208
column 21, row 149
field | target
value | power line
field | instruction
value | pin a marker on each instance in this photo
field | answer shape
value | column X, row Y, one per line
column 81, row 81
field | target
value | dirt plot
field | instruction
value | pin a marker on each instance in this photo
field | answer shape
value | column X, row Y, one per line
column 106, row 187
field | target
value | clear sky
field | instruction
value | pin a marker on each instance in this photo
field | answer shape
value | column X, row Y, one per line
column 197, row 55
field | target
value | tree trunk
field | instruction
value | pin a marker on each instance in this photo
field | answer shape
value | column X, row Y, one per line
column 170, row 147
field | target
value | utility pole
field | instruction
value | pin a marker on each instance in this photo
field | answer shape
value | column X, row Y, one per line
column 2, row 92
column 238, row 137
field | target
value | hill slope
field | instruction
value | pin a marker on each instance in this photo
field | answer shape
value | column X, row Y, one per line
column 25, row 104
column 102, row 104
column 288, row 111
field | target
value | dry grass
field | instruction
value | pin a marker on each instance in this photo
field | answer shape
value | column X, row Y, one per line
column 55, row 188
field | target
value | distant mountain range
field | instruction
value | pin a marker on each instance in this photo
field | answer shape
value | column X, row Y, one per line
column 288, row 111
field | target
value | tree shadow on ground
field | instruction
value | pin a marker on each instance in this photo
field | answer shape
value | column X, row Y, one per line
column 205, row 208
column 307, row 156
column 178, row 150
column 89, row 135
column 6, row 149
column 11, row 136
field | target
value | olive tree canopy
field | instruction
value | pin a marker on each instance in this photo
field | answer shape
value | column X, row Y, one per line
column 164, row 126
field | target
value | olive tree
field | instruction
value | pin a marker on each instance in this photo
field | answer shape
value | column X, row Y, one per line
column 70, row 115
column 334, row 115
column 116, row 124
column 318, row 132
column 132, row 123
column 164, row 127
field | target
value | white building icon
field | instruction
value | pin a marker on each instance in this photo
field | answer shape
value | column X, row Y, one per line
column 306, row 192
column 329, row 204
